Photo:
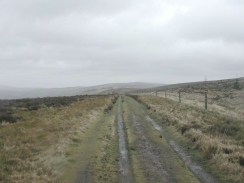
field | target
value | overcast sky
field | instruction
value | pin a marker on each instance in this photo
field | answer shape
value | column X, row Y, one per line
column 59, row 43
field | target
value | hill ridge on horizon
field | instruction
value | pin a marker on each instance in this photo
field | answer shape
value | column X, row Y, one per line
column 8, row 92
column 105, row 84
column 229, row 83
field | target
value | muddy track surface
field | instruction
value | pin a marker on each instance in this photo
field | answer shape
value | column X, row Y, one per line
column 162, row 159
column 125, row 175
column 156, row 170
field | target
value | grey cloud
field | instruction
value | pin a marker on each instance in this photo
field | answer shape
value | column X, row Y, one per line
column 95, row 42
column 46, row 9
column 220, row 21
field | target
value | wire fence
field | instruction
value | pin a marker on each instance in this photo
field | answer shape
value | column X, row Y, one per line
column 223, row 96
column 225, row 102
column 200, row 98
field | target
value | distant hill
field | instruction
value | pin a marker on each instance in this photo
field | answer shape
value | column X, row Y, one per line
column 225, row 84
column 3, row 87
column 7, row 92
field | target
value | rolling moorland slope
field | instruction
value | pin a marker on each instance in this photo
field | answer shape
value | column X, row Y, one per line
column 112, row 138
column 7, row 92
column 89, row 139
column 46, row 140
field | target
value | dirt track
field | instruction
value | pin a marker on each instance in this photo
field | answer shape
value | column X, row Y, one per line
column 146, row 153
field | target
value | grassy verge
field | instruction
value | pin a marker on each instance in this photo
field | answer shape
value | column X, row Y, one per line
column 97, row 154
column 215, row 138
column 42, row 145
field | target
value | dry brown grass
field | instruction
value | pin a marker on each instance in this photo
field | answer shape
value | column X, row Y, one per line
column 230, row 103
column 219, row 138
column 36, row 149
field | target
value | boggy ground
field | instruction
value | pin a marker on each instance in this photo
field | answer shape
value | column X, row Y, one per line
column 152, row 157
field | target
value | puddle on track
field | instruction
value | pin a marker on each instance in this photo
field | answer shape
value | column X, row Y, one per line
column 153, row 155
column 192, row 165
column 155, row 125
column 125, row 175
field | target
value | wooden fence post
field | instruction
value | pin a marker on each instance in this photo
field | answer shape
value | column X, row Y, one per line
column 179, row 97
column 165, row 94
column 206, row 94
column 206, row 100
column 156, row 93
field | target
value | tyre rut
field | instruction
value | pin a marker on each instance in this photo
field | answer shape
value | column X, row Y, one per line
column 125, row 174
column 153, row 155
column 194, row 166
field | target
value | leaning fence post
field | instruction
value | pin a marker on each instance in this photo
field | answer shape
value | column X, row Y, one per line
column 156, row 93
column 206, row 100
column 206, row 94
column 165, row 94
column 179, row 97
